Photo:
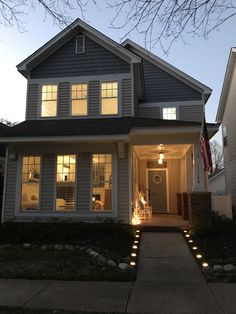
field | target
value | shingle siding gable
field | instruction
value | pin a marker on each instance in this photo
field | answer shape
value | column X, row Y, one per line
column 95, row 61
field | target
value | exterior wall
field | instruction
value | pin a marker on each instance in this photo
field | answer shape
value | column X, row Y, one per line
column 95, row 61
column 64, row 100
column 191, row 113
column 160, row 86
column 83, row 211
column 149, row 112
column 173, row 166
column 216, row 184
column 229, row 122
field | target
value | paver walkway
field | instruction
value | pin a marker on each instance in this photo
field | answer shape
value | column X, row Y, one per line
column 168, row 282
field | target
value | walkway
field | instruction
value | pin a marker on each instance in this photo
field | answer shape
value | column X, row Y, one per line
column 168, row 282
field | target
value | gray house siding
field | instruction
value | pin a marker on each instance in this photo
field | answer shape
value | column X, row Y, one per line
column 94, row 99
column 191, row 113
column 32, row 102
column 123, row 187
column 160, row 86
column 64, row 100
column 10, row 190
column 126, row 97
column 83, row 183
column 65, row 62
column 48, row 183
column 149, row 112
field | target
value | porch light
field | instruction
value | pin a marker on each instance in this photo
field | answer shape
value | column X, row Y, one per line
column 205, row 264
column 160, row 161
column 161, row 155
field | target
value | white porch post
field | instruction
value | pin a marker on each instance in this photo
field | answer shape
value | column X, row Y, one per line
column 198, row 173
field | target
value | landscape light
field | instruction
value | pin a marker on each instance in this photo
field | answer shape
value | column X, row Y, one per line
column 132, row 263
column 136, row 241
column 135, row 247
column 199, row 256
column 187, row 235
column 205, row 264
column 138, row 231
column 194, row 248
column 190, row 241
column 185, row 231
column 133, row 254
column 137, row 236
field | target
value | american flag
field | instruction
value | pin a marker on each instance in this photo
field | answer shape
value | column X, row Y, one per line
column 205, row 148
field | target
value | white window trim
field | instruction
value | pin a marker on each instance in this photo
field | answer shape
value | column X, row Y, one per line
column 119, row 98
column 40, row 117
column 79, row 116
column 113, row 212
column 76, row 44
column 18, row 210
column 55, row 185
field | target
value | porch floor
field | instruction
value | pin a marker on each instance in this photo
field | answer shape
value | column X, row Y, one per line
column 166, row 220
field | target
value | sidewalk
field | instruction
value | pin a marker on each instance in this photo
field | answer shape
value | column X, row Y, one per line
column 168, row 281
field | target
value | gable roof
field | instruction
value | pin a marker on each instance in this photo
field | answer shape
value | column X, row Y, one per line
column 68, row 33
column 157, row 61
column 226, row 85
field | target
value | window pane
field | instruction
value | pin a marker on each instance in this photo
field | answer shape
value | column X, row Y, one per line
column 79, row 100
column 79, row 107
column 102, row 182
column 65, row 185
column 30, row 183
column 49, row 109
column 169, row 113
column 110, row 106
column 49, row 101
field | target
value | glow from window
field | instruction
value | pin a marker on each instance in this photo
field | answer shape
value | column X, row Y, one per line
column 65, row 185
column 30, row 183
column 109, row 94
column 169, row 113
column 49, row 101
column 79, row 97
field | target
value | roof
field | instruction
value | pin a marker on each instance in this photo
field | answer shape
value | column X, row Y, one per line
column 69, row 32
column 3, row 127
column 91, row 127
column 226, row 85
column 216, row 173
column 187, row 79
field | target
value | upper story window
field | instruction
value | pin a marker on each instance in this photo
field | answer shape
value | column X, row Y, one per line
column 79, row 103
column 80, row 44
column 49, row 101
column 169, row 113
column 109, row 99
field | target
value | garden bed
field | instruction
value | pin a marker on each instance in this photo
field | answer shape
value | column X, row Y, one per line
column 218, row 246
column 66, row 251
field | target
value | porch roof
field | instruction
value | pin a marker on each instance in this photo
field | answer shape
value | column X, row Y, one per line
column 91, row 127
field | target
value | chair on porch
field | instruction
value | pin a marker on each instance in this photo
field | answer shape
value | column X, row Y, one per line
column 144, row 210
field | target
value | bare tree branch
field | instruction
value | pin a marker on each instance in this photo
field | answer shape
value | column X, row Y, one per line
column 217, row 155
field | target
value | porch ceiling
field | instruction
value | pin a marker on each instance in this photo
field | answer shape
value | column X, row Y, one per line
column 171, row 151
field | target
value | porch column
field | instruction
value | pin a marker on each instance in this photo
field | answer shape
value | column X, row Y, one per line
column 198, row 174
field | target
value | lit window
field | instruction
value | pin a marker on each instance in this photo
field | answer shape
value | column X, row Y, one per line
column 109, row 98
column 169, row 113
column 65, row 185
column 79, row 99
column 102, row 182
column 49, row 101
column 30, row 183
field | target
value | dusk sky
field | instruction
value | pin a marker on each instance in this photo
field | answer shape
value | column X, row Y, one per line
column 205, row 60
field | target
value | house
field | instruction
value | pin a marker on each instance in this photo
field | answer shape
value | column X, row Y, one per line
column 3, row 127
column 105, row 123
column 216, row 182
column 226, row 115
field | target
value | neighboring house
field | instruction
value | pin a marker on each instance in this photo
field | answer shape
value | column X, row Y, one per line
column 104, row 122
column 226, row 115
column 216, row 182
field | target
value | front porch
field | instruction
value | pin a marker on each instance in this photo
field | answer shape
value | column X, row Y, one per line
column 165, row 220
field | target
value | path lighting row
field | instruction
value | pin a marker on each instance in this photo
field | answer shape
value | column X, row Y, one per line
column 194, row 248
column 135, row 248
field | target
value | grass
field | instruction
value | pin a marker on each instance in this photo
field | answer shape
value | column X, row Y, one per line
column 218, row 245
column 113, row 240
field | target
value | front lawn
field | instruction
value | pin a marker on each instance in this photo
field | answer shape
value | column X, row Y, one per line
column 72, row 260
column 218, row 245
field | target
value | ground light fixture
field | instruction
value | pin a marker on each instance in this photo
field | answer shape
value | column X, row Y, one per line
column 132, row 263
column 134, row 254
column 204, row 264
column 194, row 248
column 135, row 247
column 137, row 236
column 187, row 235
column 185, row 231
column 199, row 256
column 136, row 242
column 190, row 241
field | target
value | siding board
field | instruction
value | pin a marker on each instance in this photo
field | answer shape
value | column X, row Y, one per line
column 10, row 195
column 94, row 99
column 149, row 112
column 64, row 100
column 83, row 183
column 96, row 60
column 32, row 102
column 126, row 97
column 191, row 113
column 160, row 86
column 48, row 183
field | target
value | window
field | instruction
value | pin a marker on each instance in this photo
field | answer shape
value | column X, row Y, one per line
column 102, row 182
column 65, row 185
column 49, row 101
column 30, row 183
column 109, row 98
column 79, row 99
column 169, row 113
column 80, row 44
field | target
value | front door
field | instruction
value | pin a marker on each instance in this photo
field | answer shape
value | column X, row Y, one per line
column 157, row 190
